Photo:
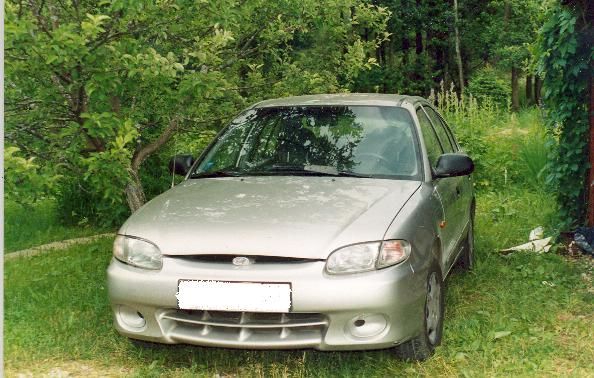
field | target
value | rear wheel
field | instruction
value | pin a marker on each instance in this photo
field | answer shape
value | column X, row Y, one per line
column 421, row 347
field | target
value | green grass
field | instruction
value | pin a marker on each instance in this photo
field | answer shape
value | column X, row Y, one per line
column 26, row 227
column 522, row 314
column 57, row 317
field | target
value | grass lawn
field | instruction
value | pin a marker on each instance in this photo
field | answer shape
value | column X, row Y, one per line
column 516, row 315
column 26, row 227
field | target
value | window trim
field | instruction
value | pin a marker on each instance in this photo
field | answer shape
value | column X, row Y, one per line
column 453, row 145
column 431, row 168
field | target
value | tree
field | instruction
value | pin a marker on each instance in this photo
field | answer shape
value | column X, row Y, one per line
column 513, row 30
column 565, row 61
column 457, row 44
column 94, row 89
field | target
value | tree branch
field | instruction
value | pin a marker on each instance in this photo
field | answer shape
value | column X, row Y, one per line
column 143, row 153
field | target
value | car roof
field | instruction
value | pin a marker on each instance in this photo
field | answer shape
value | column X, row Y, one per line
column 351, row 99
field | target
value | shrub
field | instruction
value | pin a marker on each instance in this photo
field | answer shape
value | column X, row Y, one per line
column 24, row 180
column 485, row 85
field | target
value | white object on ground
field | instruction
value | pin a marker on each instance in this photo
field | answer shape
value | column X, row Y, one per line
column 540, row 245
column 537, row 233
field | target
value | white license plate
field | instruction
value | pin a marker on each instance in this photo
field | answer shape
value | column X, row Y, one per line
column 233, row 296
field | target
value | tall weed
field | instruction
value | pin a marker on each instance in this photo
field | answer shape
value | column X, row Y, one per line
column 533, row 155
column 508, row 149
column 471, row 121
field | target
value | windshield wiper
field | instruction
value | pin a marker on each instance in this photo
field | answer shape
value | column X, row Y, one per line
column 219, row 173
column 352, row 174
column 314, row 170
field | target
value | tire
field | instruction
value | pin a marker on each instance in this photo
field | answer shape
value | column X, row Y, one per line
column 422, row 346
column 466, row 260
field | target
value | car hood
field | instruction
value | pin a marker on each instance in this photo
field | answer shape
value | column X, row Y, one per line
column 286, row 216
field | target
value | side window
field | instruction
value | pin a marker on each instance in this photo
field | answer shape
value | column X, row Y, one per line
column 447, row 144
column 451, row 135
column 434, row 149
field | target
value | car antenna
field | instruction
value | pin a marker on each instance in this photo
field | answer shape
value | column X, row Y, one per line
column 174, row 159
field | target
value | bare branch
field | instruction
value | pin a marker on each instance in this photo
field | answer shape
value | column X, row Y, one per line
column 143, row 153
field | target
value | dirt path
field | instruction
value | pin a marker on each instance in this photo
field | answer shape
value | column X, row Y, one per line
column 52, row 246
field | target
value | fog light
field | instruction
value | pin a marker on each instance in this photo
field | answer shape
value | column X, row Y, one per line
column 131, row 318
column 367, row 325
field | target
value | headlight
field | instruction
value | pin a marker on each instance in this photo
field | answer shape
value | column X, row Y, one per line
column 367, row 256
column 137, row 252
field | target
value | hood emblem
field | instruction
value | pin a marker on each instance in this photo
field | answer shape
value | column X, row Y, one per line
column 241, row 261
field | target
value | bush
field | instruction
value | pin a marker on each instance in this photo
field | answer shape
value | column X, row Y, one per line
column 24, row 180
column 485, row 84
column 78, row 203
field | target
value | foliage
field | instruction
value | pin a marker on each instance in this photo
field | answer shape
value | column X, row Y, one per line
column 565, row 55
column 533, row 154
column 470, row 121
column 97, row 88
column 486, row 85
column 508, row 150
column 24, row 180
column 513, row 29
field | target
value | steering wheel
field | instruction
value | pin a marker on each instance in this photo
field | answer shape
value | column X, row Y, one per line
column 385, row 162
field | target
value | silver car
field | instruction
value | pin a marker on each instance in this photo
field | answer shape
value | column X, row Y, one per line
column 326, row 222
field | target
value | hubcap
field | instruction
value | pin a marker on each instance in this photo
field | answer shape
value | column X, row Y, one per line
column 433, row 310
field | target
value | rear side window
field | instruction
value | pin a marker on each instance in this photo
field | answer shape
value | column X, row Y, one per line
column 445, row 139
column 432, row 144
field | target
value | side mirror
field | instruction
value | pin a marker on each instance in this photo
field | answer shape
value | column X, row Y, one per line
column 181, row 164
column 451, row 165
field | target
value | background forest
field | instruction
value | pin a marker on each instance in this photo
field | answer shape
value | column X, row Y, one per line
column 99, row 95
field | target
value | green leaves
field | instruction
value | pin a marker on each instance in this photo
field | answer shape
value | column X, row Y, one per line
column 564, row 53
column 24, row 181
column 92, row 85
column 93, row 26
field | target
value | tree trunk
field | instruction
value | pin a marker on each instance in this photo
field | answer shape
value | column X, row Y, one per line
column 135, row 192
column 537, row 89
column 405, row 48
column 458, row 53
column 529, row 99
column 590, row 186
column 514, row 84
column 419, row 33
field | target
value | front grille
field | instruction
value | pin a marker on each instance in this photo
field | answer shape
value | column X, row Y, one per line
column 245, row 329
column 257, row 259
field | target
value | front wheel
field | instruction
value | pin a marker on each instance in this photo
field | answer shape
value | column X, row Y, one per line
column 422, row 347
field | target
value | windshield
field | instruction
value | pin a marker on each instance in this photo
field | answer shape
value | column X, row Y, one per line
column 367, row 141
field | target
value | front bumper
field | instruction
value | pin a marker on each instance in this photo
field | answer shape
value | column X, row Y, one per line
column 369, row 310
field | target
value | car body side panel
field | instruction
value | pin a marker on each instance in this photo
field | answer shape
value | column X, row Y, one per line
column 417, row 223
